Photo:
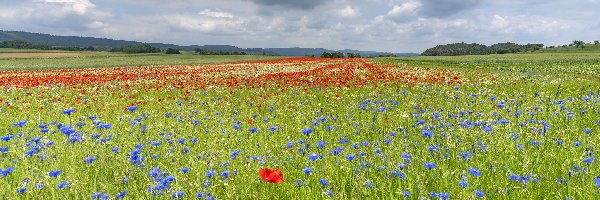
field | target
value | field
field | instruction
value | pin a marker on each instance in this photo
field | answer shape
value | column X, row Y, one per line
column 19, row 59
column 500, row 127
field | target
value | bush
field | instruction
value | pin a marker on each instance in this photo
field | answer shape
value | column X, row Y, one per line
column 172, row 51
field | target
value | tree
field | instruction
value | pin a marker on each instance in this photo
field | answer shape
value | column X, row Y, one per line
column 172, row 51
column 578, row 43
column 350, row 55
column 142, row 48
column 596, row 42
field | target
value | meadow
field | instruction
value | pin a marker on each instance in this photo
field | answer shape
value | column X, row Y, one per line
column 521, row 126
column 28, row 59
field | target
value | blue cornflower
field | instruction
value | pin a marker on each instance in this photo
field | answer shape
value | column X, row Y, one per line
column 398, row 174
column 324, row 182
column 121, row 194
column 132, row 108
column 100, row 195
column 177, row 194
column 350, row 157
column 465, row 155
column 474, row 171
column 313, row 156
column 429, row 165
column 329, row 193
column 406, row 193
column 225, row 174
column 463, row 184
column 369, row 184
column 307, row 131
column 68, row 111
column 597, row 181
column 587, row 131
column 427, row 133
column 90, row 159
column 321, row 144
column 63, row 185
column 21, row 190
column 39, row 186
column 54, row 173
column 273, row 128
column 289, row 144
column 234, row 154
column 406, row 156
column 479, row 194
column 513, row 177
column 588, row 160
column 67, row 130
column 210, row 173
column 307, row 170
column 185, row 170
column 299, row 183
column 20, row 123
column 253, row 129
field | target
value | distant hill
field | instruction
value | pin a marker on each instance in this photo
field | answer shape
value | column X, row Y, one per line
column 108, row 44
column 462, row 48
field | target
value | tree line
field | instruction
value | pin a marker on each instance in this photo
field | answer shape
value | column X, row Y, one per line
column 20, row 44
column 209, row 52
column 479, row 49
column 339, row 55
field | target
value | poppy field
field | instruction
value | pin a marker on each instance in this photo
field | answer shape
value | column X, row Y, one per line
column 303, row 128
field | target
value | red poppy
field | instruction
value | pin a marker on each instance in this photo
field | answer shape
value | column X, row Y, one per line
column 271, row 175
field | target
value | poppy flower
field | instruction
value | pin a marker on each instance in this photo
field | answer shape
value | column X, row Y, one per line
column 271, row 175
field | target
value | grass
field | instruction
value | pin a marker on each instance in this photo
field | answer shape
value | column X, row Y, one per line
column 522, row 116
column 11, row 50
column 547, row 63
column 72, row 60
column 588, row 48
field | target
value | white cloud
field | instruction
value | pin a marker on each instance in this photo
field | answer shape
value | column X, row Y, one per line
column 404, row 12
column 347, row 12
column 207, row 21
column 216, row 14
column 385, row 25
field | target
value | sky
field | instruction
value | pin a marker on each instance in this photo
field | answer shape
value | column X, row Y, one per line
column 378, row 25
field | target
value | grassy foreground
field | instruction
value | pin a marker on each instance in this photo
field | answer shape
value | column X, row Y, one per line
column 497, row 127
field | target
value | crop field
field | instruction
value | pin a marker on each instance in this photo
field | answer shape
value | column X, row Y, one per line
column 497, row 127
column 19, row 59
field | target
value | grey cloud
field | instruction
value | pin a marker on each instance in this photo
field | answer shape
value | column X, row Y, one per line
column 443, row 8
column 291, row 4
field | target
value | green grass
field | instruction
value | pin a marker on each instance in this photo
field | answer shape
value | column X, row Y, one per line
column 588, row 48
column 11, row 50
column 543, row 88
column 546, row 63
column 100, row 59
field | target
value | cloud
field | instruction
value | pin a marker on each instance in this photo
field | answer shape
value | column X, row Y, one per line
column 207, row 21
column 384, row 25
column 72, row 15
column 347, row 12
column 291, row 4
column 216, row 14
column 444, row 8
column 404, row 12
column 81, row 7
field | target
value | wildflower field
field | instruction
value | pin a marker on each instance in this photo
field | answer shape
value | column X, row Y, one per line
column 304, row 128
